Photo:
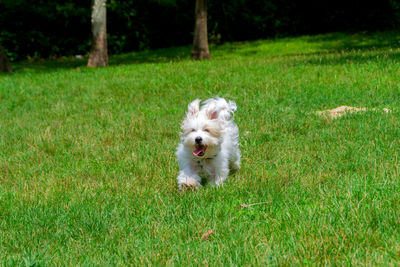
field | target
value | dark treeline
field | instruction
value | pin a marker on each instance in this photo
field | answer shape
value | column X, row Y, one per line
column 45, row 28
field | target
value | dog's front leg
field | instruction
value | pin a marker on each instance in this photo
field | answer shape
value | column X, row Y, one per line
column 221, row 172
column 220, row 178
column 187, row 178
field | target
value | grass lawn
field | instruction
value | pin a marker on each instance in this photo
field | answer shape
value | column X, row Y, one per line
column 88, row 170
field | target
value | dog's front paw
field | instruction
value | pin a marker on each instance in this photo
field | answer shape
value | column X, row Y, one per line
column 218, row 181
column 187, row 187
column 188, row 183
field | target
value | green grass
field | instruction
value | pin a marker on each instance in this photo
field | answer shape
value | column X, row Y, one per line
column 88, row 171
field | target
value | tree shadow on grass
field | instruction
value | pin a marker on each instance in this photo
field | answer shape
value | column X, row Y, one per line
column 50, row 65
column 342, row 41
column 321, row 49
column 357, row 57
column 173, row 54
column 165, row 55
column 358, row 48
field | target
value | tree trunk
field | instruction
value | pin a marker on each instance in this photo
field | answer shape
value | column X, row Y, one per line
column 98, row 54
column 200, row 40
column 4, row 62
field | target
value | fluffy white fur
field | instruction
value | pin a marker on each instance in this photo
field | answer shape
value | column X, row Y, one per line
column 209, row 144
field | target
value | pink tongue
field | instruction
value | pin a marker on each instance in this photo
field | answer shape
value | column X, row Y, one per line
column 198, row 151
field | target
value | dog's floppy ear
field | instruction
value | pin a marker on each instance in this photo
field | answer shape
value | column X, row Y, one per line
column 212, row 113
column 193, row 108
column 211, row 110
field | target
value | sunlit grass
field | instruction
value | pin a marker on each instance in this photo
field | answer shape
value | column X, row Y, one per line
column 88, row 171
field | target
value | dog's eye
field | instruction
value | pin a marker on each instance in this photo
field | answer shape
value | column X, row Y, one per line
column 193, row 130
column 206, row 130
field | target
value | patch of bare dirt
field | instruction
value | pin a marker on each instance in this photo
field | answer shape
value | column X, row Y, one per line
column 343, row 110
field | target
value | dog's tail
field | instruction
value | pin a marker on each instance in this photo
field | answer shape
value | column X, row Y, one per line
column 224, row 109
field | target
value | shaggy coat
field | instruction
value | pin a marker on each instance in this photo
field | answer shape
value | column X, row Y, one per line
column 209, row 144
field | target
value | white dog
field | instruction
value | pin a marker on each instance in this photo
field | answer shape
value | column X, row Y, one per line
column 209, row 145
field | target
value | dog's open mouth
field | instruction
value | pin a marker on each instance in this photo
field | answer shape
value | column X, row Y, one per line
column 200, row 150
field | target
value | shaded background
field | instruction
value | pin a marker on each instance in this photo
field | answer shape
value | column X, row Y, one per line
column 53, row 28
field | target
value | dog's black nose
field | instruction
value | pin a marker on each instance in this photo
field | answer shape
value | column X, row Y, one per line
column 198, row 140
